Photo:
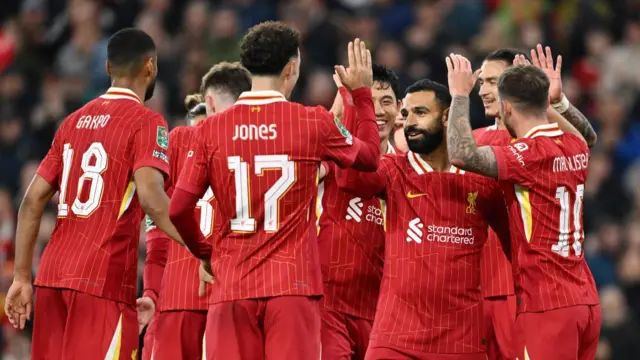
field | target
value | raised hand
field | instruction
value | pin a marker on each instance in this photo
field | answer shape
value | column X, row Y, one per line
column 521, row 60
column 359, row 73
column 461, row 77
column 145, row 307
column 543, row 60
column 18, row 303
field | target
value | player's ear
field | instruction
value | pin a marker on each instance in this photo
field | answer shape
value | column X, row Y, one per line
column 210, row 101
column 107, row 65
column 445, row 117
column 150, row 67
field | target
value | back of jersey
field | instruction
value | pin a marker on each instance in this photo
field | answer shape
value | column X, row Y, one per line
column 272, row 149
column 94, row 154
column 544, row 174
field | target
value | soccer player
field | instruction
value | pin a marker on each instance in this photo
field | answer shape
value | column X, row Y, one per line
column 543, row 174
column 102, row 156
column 351, row 243
column 181, row 322
column 430, row 305
column 261, row 158
column 497, row 280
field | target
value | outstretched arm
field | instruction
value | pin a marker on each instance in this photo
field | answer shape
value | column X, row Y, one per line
column 543, row 59
column 461, row 145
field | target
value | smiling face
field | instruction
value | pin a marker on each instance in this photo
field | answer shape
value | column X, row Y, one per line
column 424, row 128
column 386, row 108
column 491, row 71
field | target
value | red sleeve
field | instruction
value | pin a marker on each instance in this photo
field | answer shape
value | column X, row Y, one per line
column 363, row 184
column 361, row 152
column 194, row 177
column 157, row 254
column 348, row 110
column 498, row 219
column 151, row 144
column 51, row 166
column 181, row 213
column 519, row 162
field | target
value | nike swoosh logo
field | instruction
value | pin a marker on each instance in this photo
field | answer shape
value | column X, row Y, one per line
column 413, row 196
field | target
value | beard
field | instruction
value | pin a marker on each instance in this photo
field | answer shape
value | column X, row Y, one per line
column 149, row 93
column 429, row 141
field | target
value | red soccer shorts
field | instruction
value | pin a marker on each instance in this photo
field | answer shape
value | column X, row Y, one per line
column 179, row 335
column 149, row 338
column 344, row 337
column 283, row 327
column 71, row 325
column 390, row 353
column 499, row 320
column 567, row 333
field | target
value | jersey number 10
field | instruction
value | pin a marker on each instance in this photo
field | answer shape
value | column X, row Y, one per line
column 562, row 246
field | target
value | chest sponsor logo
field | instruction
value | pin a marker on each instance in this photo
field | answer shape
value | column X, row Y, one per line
column 442, row 234
column 356, row 212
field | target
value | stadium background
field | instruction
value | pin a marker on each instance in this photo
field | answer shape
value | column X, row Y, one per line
column 52, row 55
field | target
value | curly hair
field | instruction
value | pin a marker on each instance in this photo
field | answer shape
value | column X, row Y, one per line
column 268, row 47
column 192, row 100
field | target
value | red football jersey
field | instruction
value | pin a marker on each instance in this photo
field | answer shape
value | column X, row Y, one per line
column 179, row 290
column 96, row 150
column 351, row 243
column 495, row 268
column 543, row 176
column 437, row 222
column 263, row 154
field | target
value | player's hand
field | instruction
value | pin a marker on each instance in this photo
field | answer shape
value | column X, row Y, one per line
column 543, row 60
column 521, row 60
column 461, row 77
column 337, row 109
column 145, row 308
column 206, row 277
column 17, row 304
column 359, row 74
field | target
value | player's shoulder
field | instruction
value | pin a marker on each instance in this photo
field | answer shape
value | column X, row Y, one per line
column 491, row 135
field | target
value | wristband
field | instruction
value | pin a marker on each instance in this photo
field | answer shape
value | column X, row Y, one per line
column 561, row 106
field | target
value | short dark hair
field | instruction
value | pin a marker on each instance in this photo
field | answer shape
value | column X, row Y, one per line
column 228, row 77
column 387, row 78
column 127, row 49
column 526, row 86
column 267, row 48
column 442, row 92
column 507, row 55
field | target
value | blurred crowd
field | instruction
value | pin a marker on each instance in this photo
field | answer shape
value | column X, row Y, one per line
column 52, row 60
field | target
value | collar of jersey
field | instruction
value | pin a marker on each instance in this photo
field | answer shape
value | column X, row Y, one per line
column 548, row 130
column 117, row 93
column 422, row 167
column 390, row 149
column 260, row 97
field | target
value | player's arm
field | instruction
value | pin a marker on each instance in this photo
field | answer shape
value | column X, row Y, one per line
column 498, row 219
column 567, row 116
column 361, row 152
column 151, row 166
column 366, row 185
column 157, row 244
column 38, row 194
column 463, row 151
column 190, row 187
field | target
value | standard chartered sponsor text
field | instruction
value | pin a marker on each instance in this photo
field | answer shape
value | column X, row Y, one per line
column 448, row 234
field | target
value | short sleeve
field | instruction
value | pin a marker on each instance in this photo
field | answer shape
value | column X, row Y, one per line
column 194, row 177
column 336, row 140
column 519, row 162
column 51, row 166
column 151, row 144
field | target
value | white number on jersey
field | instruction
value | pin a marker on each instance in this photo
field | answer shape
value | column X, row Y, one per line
column 92, row 173
column 206, row 213
column 562, row 247
column 243, row 221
